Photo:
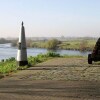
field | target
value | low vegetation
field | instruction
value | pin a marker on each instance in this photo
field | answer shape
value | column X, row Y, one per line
column 9, row 65
column 2, row 41
column 83, row 44
column 52, row 44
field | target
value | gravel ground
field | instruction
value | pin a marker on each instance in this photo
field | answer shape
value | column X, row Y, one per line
column 62, row 69
column 55, row 79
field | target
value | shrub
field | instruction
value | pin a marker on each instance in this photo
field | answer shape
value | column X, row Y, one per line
column 33, row 60
column 10, row 59
column 7, row 67
column 52, row 54
column 83, row 45
column 2, row 60
column 52, row 44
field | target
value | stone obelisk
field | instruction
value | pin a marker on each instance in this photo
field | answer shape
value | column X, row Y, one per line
column 22, row 49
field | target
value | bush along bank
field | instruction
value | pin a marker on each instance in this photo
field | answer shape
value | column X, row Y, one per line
column 9, row 65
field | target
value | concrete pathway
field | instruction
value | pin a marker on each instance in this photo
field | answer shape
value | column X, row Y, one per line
column 30, row 84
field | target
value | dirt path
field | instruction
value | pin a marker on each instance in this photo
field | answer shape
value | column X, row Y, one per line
column 55, row 79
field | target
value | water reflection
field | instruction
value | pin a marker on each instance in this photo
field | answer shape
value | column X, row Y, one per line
column 6, row 51
column 71, row 52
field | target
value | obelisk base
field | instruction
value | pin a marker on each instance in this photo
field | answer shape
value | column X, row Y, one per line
column 22, row 63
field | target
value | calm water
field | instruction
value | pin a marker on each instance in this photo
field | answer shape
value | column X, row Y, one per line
column 6, row 51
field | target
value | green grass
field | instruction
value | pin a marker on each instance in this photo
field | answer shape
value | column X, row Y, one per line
column 41, row 58
column 9, row 65
column 77, row 45
column 69, row 45
column 80, row 44
column 39, row 44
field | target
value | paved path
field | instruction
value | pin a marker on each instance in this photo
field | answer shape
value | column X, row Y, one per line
column 30, row 84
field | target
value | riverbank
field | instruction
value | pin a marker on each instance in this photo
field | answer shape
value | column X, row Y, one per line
column 12, row 52
column 80, row 44
column 75, row 68
column 55, row 67
column 8, row 66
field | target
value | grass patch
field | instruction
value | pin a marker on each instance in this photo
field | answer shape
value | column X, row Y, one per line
column 41, row 58
column 9, row 65
column 79, row 44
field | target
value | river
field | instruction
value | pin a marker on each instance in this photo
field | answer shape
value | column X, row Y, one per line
column 6, row 51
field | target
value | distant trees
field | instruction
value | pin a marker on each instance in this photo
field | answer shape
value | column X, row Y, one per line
column 2, row 41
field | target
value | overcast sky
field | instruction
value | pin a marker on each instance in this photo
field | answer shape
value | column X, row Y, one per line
column 50, row 18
